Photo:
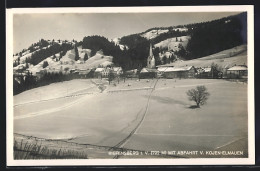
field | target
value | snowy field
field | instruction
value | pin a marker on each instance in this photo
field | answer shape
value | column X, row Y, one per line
column 128, row 115
column 53, row 91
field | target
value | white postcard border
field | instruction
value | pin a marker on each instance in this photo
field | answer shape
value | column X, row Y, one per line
column 94, row 162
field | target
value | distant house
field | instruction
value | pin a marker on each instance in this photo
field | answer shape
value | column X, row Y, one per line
column 160, row 71
column 131, row 73
column 180, row 72
column 117, row 71
column 98, row 72
column 237, row 71
column 148, row 73
column 83, row 72
column 204, row 72
column 105, row 72
column 39, row 74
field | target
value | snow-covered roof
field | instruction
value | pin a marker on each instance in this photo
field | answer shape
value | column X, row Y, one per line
column 162, row 69
column 238, row 68
column 186, row 68
column 207, row 69
column 148, row 70
column 116, row 68
column 99, row 69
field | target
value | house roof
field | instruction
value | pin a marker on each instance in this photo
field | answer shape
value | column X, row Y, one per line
column 186, row 68
column 83, row 72
column 99, row 69
column 162, row 69
column 207, row 69
column 117, row 68
column 238, row 68
column 148, row 70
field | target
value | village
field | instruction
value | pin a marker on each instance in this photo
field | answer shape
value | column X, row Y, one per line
column 168, row 71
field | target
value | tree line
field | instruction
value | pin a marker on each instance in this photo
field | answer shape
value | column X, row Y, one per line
column 42, row 54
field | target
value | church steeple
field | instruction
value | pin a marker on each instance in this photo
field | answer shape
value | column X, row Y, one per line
column 150, row 59
column 151, row 50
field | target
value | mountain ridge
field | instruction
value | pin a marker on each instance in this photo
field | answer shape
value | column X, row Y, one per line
column 171, row 43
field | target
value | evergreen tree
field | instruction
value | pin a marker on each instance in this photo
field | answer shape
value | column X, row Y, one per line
column 85, row 57
column 164, row 59
column 76, row 53
column 60, row 56
column 172, row 58
column 15, row 64
column 45, row 64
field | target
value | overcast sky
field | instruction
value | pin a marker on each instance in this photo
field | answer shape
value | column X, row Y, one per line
column 30, row 28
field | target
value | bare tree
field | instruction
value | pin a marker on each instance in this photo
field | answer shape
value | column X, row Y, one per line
column 199, row 95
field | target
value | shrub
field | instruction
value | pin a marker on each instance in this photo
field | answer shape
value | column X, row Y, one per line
column 45, row 64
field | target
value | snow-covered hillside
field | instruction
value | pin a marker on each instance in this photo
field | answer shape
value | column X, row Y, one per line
column 67, row 62
column 156, row 32
column 116, row 41
column 172, row 44
column 224, row 59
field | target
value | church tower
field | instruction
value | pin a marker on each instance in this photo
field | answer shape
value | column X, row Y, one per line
column 151, row 59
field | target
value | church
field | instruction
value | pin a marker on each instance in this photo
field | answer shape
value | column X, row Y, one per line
column 149, row 71
column 151, row 59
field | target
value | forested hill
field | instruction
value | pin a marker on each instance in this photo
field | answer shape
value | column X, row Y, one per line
column 172, row 43
column 205, row 38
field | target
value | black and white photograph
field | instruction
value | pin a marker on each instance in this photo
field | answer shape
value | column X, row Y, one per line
column 130, row 85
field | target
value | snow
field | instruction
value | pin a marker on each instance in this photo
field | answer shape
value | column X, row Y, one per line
column 99, row 118
column 227, row 21
column 238, row 68
column 171, row 43
column 207, row 69
column 170, row 69
column 144, row 70
column 99, row 69
column 184, row 29
column 222, row 59
column 154, row 33
column 68, row 61
column 162, row 69
column 116, row 41
column 54, row 90
column 26, row 52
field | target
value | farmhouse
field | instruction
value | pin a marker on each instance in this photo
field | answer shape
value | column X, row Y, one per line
column 39, row 74
column 98, row 72
column 204, row 72
column 160, row 71
column 237, row 71
column 105, row 72
column 148, row 73
column 180, row 72
column 131, row 73
column 83, row 72
column 117, row 70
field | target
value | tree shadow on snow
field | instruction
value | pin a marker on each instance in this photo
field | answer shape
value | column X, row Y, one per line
column 168, row 100
column 193, row 107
